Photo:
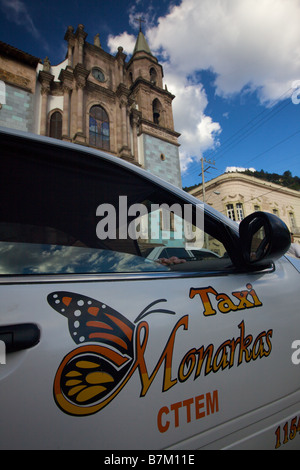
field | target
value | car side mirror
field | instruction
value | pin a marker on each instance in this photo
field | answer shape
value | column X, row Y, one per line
column 264, row 238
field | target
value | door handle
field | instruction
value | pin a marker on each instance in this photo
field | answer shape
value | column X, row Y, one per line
column 20, row 336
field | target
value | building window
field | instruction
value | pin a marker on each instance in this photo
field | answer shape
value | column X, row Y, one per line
column 235, row 211
column 239, row 211
column 292, row 221
column 99, row 128
column 230, row 211
column 167, row 220
column 56, row 125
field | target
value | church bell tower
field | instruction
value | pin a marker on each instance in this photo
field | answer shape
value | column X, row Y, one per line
column 157, row 139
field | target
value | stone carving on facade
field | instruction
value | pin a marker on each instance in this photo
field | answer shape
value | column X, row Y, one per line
column 97, row 40
column 47, row 65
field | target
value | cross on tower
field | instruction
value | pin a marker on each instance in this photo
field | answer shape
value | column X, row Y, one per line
column 140, row 19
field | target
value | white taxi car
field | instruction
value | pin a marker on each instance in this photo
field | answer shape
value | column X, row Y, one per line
column 104, row 348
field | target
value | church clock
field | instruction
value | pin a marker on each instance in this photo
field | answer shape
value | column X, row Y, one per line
column 98, row 74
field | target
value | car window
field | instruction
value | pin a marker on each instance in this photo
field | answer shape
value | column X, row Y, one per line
column 173, row 251
column 36, row 259
column 66, row 211
column 170, row 237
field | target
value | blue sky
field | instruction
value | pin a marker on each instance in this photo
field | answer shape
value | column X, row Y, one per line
column 233, row 65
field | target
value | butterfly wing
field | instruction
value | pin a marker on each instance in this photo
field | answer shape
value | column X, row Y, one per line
column 92, row 375
column 90, row 320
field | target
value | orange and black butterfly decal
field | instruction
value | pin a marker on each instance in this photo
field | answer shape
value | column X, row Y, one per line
column 92, row 321
column 89, row 377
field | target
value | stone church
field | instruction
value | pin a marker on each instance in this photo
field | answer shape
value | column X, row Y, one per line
column 99, row 100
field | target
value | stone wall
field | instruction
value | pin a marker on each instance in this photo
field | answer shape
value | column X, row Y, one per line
column 161, row 159
column 17, row 112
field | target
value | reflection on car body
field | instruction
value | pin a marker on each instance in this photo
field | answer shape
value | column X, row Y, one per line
column 101, row 338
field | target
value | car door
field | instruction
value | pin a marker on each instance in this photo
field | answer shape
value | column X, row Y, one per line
column 101, row 340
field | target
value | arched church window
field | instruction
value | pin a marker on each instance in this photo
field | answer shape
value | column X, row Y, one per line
column 157, row 111
column 55, row 130
column 99, row 127
column 153, row 75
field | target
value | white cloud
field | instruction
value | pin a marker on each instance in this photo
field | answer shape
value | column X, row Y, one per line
column 16, row 11
column 250, row 45
column 247, row 43
column 198, row 131
column 148, row 17
column 231, row 169
column 125, row 40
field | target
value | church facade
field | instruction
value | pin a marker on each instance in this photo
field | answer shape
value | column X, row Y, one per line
column 108, row 103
